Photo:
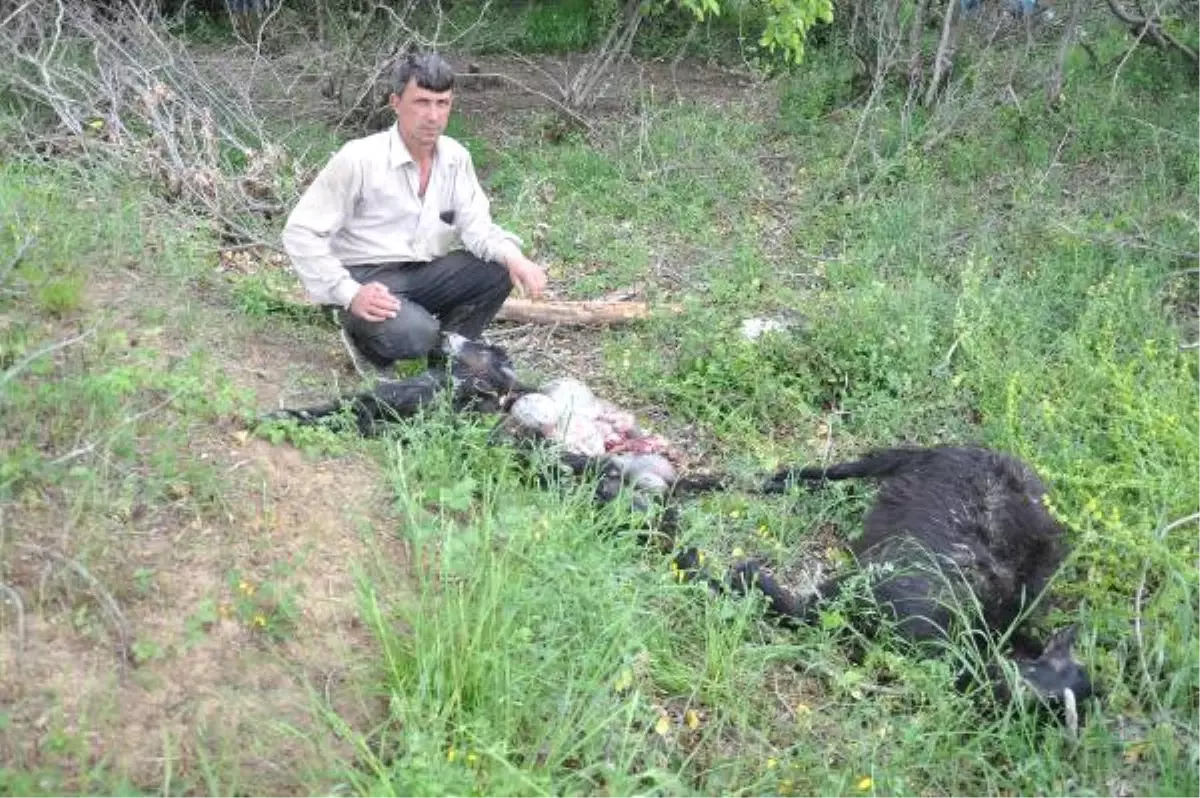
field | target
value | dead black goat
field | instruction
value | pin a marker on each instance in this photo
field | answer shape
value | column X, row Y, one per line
column 954, row 534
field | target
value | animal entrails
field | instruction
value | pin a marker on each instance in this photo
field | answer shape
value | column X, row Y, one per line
column 951, row 528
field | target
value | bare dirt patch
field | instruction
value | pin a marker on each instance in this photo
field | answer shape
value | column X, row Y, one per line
column 241, row 631
column 235, row 626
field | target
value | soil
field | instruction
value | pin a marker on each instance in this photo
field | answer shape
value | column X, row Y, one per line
column 183, row 678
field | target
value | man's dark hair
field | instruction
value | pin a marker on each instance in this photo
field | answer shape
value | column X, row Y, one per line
column 430, row 69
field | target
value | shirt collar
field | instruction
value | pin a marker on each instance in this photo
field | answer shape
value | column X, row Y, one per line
column 398, row 154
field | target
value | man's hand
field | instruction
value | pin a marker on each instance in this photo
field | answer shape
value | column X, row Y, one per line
column 527, row 276
column 374, row 302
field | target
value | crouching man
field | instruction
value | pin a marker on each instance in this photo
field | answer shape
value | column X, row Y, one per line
column 397, row 232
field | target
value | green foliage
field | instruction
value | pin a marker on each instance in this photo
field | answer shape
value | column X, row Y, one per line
column 1020, row 284
column 806, row 95
column 328, row 440
column 271, row 293
column 267, row 606
column 720, row 379
column 567, row 26
column 786, row 23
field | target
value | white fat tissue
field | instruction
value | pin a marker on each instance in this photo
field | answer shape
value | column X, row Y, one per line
column 573, row 397
column 580, row 435
column 566, row 411
column 537, row 411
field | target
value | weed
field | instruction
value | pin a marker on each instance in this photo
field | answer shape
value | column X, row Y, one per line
column 1006, row 286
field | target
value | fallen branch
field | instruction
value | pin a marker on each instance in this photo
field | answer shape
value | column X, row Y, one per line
column 1178, row 522
column 105, row 598
column 16, row 368
column 562, row 108
column 575, row 313
column 942, row 59
column 15, row 259
column 14, row 598
column 90, row 447
column 1152, row 27
column 1055, row 85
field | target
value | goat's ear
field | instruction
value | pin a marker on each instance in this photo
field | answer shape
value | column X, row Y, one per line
column 1060, row 647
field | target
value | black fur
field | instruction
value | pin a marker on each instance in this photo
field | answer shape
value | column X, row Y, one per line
column 479, row 376
column 950, row 527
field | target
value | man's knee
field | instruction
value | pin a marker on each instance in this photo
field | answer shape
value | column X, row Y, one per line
column 410, row 335
column 477, row 277
column 498, row 278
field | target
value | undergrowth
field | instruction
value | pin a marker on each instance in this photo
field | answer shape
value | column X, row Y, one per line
column 1027, row 284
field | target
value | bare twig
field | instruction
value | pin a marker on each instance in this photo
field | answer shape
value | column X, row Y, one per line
column 559, row 106
column 1054, row 158
column 91, row 446
column 585, row 86
column 1171, row 527
column 16, row 12
column 1128, row 54
column 103, row 596
column 1055, row 84
column 1139, row 596
column 1152, row 26
column 1141, row 643
column 17, row 367
column 1131, row 242
column 16, row 258
column 14, row 598
column 1160, row 130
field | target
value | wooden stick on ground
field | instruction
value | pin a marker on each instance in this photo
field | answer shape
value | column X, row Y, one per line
column 575, row 313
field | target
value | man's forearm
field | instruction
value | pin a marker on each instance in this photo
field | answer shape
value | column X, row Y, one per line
column 508, row 254
column 325, row 279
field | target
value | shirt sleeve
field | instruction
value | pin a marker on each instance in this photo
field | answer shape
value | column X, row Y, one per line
column 320, row 213
column 484, row 238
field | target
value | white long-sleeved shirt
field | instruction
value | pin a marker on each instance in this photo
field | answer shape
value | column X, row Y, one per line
column 363, row 207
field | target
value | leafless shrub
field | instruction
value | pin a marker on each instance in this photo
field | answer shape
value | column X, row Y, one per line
column 124, row 91
column 954, row 62
column 207, row 124
column 1153, row 24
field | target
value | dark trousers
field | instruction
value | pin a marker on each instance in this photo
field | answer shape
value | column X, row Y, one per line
column 456, row 293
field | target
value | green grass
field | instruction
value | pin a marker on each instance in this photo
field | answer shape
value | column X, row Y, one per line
column 1008, row 291
column 1023, row 285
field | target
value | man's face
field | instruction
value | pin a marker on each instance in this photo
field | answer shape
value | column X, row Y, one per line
column 422, row 113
